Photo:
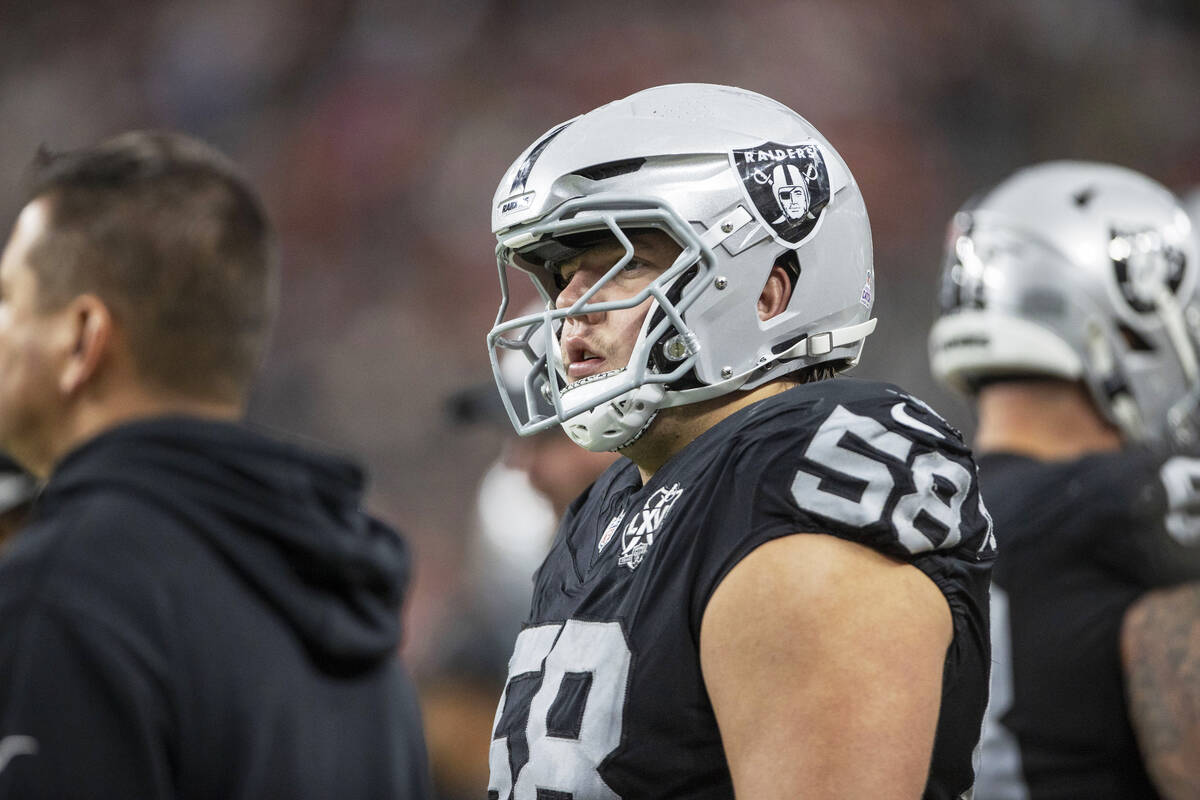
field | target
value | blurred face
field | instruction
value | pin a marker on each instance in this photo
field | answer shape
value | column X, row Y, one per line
column 557, row 467
column 29, row 340
column 599, row 342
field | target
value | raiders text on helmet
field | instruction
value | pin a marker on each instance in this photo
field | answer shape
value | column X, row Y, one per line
column 737, row 180
column 1080, row 271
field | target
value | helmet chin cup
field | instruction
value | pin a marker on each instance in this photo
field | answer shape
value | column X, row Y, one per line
column 612, row 424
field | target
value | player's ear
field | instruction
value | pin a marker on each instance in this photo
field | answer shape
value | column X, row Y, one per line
column 776, row 293
column 90, row 329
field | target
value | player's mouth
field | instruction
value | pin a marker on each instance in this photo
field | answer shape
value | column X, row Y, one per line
column 581, row 361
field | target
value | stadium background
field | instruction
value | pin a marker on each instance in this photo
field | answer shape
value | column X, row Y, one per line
column 377, row 131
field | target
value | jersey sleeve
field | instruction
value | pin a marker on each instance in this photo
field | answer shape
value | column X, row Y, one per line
column 1154, row 503
column 884, row 471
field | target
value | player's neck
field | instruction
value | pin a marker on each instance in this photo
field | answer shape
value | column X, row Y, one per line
column 1046, row 420
column 676, row 428
column 93, row 416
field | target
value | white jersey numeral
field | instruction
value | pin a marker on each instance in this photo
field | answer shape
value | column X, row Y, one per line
column 590, row 658
column 940, row 484
column 1181, row 478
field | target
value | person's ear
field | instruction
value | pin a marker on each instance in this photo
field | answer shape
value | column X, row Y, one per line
column 776, row 293
column 90, row 328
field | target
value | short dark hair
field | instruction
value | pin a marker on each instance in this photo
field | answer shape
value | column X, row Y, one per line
column 164, row 230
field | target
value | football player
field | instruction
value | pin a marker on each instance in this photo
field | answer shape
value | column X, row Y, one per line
column 1070, row 316
column 781, row 589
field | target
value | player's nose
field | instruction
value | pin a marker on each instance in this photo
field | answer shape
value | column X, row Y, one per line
column 578, row 285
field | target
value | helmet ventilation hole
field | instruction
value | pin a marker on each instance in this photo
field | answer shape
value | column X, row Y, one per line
column 610, row 169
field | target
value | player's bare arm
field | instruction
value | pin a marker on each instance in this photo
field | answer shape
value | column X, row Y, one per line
column 1160, row 651
column 816, row 651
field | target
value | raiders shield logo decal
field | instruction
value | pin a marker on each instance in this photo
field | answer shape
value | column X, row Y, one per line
column 787, row 185
column 1144, row 263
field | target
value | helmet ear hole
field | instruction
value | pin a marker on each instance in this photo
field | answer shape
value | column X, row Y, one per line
column 1134, row 340
column 790, row 263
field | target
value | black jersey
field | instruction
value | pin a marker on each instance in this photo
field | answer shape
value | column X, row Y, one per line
column 605, row 697
column 1079, row 542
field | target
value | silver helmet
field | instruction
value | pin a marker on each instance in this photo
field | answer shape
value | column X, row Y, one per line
column 738, row 181
column 1079, row 271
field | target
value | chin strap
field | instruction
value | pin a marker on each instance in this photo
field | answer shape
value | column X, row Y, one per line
column 619, row 421
column 814, row 344
column 819, row 344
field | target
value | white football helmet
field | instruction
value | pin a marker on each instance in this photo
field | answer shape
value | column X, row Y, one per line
column 1079, row 271
column 738, row 181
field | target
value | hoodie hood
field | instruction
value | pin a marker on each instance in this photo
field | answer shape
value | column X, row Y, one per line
column 289, row 521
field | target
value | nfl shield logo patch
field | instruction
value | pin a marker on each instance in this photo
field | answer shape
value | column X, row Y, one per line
column 610, row 531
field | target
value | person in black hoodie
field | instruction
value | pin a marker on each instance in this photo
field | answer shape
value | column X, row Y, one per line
column 194, row 609
column 17, row 490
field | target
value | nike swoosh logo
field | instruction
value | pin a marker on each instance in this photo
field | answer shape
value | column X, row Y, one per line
column 901, row 415
column 13, row 746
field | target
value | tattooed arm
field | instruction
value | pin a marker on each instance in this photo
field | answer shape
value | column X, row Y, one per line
column 1160, row 651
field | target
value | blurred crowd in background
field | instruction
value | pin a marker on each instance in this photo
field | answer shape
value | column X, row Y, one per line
column 377, row 130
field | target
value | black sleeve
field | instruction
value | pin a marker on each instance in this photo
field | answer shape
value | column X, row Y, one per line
column 1155, row 540
column 885, row 472
column 80, row 714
